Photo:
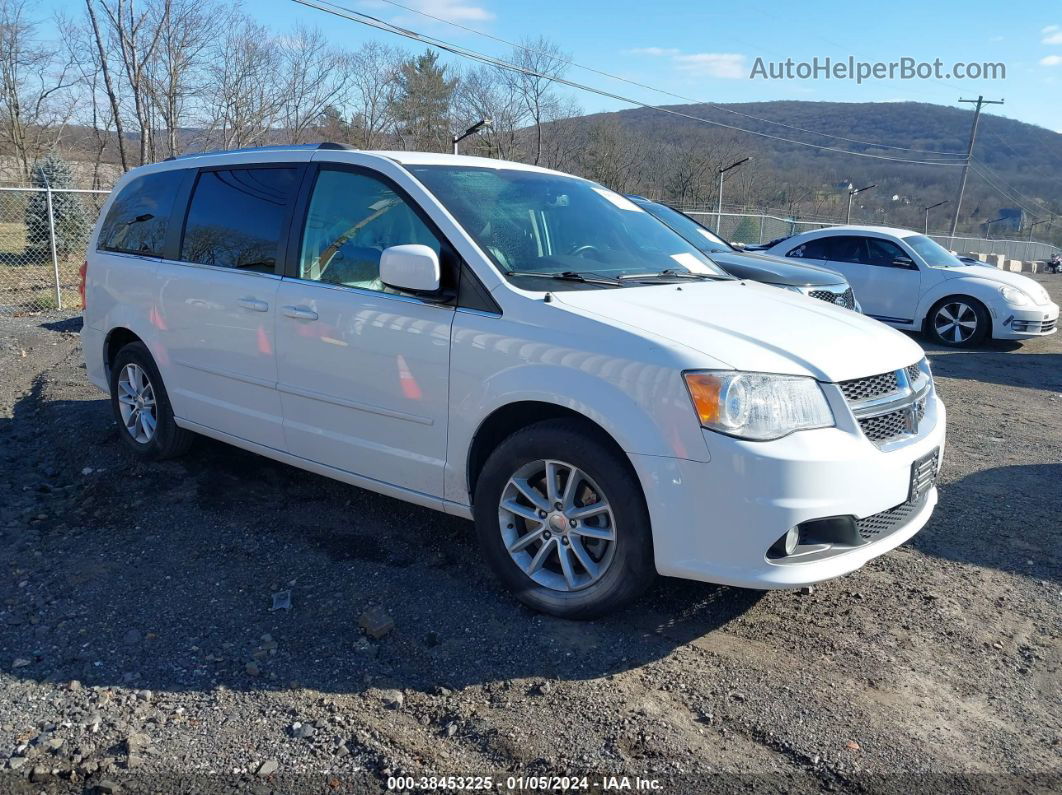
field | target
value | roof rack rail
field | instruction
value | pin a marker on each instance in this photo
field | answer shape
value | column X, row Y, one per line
column 268, row 148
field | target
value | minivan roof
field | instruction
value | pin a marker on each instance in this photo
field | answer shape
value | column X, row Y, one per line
column 406, row 158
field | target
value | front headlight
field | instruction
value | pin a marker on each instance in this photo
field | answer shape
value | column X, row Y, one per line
column 757, row 406
column 1014, row 296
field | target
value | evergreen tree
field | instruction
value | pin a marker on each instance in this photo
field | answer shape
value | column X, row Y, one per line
column 68, row 211
column 422, row 111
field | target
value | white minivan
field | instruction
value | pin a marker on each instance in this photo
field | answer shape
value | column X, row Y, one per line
column 515, row 346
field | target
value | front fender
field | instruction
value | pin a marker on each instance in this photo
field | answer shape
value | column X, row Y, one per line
column 984, row 290
column 643, row 406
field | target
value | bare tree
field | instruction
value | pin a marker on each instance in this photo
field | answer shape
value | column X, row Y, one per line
column 487, row 93
column 108, row 81
column 32, row 81
column 244, row 101
column 374, row 77
column 134, row 32
column 175, row 76
column 539, row 62
column 315, row 77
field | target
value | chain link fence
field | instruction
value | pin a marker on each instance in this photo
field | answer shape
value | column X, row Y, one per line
column 42, row 245
column 756, row 228
column 43, row 234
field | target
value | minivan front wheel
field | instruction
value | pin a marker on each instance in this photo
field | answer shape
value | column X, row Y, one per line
column 142, row 406
column 562, row 521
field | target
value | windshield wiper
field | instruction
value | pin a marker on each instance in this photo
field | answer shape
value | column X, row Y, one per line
column 570, row 276
column 676, row 274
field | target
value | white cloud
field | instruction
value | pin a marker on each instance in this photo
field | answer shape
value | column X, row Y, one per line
column 1052, row 35
column 449, row 10
column 656, row 52
column 1051, row 60
column 1050, row 29
column 729, row 65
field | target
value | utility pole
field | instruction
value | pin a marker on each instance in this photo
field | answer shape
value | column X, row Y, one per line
column 927, row 209
column 979, row 102
column 719, row 205
column 852, row 192
column 475, row 128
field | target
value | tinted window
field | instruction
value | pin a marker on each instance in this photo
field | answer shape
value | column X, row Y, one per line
column 139, row 216
column 883, row 252
column 236, row 217
column 352, row 218
column 848, row 249
column 701, row 237
column 812, row 249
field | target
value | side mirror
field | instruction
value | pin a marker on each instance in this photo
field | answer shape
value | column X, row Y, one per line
column 411, row 267
column 903, row 262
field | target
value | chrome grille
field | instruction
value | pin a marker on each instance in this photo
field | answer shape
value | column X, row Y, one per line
column 845, row 299
column 885, row 426
column 869, row 388
column 873, row 526
column 889, row 406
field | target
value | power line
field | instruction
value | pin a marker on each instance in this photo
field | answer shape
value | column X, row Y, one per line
column 1003, row 191
column 985, row 168
column 464, row 52
column 611, row 76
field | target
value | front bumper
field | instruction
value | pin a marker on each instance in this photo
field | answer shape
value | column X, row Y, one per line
column 1018, row 324
column 716, row 521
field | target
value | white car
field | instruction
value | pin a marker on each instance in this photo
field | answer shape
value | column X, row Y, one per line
column 910, row 281
column 515, row 346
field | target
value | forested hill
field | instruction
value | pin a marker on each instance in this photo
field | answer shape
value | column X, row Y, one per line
column 1021, row 157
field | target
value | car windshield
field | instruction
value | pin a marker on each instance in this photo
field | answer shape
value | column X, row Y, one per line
column 935, row 255
column 539, row 223
column 703, row 238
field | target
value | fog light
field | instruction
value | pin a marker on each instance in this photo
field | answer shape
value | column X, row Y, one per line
column 787, row 544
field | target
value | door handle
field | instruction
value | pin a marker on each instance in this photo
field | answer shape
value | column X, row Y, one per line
column 253, row 304
column 300, row 312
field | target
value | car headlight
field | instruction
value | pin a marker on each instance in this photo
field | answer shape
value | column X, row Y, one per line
column 1014, row 296
column 757, row 406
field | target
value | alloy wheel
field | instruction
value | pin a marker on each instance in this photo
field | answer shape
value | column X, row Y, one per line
column 557, row 525
column 955, row 322
column 136, row 402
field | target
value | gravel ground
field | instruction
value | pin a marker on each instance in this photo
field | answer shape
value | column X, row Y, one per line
column 139, row 649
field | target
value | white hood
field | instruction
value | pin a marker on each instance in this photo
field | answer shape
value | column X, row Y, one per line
column 754, row 327
column 1028, row 286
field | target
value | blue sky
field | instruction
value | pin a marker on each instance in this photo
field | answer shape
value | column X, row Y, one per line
column 705, row 50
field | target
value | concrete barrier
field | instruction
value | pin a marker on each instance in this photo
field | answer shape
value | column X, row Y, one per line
column 1013, row 265
column 976, row 256
column 995, row 260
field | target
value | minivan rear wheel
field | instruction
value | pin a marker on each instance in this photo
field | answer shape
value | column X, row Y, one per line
column 142, row 406
column 562, row 521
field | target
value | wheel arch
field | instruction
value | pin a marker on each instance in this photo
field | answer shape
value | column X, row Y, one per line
column 510, row 418
column 957, row 296
column 116, row 339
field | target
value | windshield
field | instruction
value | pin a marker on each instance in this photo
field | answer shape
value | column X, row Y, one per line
column 703, row 238
column 530, row 222
column 935, row 255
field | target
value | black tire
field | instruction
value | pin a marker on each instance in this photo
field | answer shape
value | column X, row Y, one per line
column 942, row 331
column 166, row 440
column 629, row 568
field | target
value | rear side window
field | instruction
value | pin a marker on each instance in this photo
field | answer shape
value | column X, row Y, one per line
column 236, row 217
column 140, row 215
column 813, row 249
